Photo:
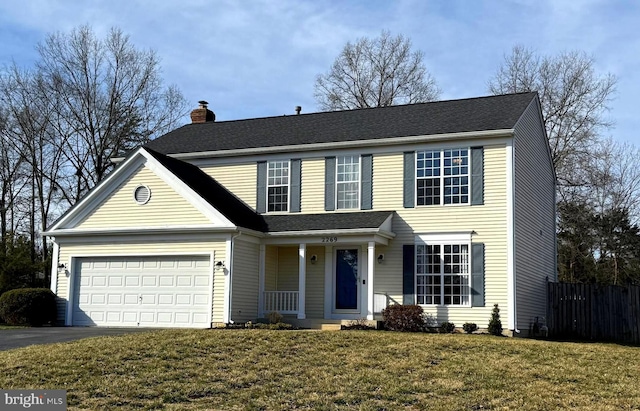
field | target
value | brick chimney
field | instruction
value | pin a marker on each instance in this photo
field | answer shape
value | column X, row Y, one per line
column 202, row 114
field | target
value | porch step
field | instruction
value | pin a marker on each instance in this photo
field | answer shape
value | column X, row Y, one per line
column 316, row 324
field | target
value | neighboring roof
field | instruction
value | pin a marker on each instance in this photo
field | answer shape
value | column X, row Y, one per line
column 442, row 117
column 327, row 221
column 212, row 192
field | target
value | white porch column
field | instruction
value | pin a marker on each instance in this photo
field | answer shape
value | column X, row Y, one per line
column 328, row 281
column 302, row 280
column 261, row 276
column 371, row 258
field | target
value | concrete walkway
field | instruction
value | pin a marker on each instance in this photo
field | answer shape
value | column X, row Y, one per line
column 23, row 337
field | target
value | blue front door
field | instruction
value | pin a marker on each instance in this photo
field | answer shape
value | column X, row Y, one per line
column 347, row 279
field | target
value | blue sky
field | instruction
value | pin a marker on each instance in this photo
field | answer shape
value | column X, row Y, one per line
column 260, row 58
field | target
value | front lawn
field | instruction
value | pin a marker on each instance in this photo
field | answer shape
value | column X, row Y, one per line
column 272, row 370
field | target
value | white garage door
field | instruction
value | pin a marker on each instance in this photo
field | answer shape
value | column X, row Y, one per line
column 170, row 291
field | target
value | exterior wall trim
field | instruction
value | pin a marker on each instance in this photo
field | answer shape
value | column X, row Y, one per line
column 511, row 274
column 54, row 266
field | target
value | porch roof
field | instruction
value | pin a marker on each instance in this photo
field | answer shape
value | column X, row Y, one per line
column 326, row 221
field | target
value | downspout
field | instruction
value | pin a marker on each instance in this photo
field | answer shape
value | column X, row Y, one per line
column 231, row 275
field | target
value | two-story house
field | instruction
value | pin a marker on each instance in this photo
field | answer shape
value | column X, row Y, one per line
column 321, row 216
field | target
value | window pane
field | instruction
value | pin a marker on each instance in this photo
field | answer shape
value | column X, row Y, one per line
column 348, row 182
column 456, row 184
column 278, row 186
column 442, row 274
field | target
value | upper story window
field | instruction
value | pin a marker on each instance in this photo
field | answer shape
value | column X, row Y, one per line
column 278, row 186
column 348, row 182
column 442, row 177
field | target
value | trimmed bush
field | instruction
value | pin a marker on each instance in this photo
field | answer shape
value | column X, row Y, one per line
column 407, row 318
column 274, row 317
column 447, row 327
column 470, row 327
column 495, row 325
column 28, row 306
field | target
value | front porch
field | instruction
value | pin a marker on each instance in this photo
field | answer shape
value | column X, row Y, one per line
column 333, row 282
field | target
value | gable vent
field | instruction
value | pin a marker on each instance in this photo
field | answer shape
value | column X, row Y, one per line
column 142, row 194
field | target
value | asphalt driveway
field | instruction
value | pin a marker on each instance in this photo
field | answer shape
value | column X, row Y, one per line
column 23, row 337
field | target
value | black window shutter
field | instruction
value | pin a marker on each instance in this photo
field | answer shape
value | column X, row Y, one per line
column 408, row 274
column 409, row 179
column 330, row 183
column 477, row 176
column 366, row 182
column 261, row 194
column 296, row 174
column 477, row 275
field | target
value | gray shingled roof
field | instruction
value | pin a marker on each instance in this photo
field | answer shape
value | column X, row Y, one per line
column 327, row 221
column 452, row 116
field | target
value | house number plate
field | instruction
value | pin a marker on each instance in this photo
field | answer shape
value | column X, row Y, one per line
column 329, row 239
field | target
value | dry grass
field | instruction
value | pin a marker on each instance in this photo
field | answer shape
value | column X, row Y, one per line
column 368, row 370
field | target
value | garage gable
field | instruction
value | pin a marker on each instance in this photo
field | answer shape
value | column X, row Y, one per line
column 142, row 193
column 144, row 199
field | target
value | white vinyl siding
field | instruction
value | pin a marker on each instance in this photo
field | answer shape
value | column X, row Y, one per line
column 314, row 305
column 244, row 302
column 312, row 186
column 165, row 206
column 239, row 179
column 534, row 222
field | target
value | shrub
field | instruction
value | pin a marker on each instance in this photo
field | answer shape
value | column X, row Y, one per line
column 274, row 317
column 470, row 327
column 28, row 306
column 408, row 318
column 359, row 324
column 273, row 326
column 447, row 327
column 495, row 325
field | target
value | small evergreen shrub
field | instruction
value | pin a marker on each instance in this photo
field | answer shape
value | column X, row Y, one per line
column 274, row 317
column 28, row 306
column 407, row 318
column 447, row 327
column 470, row 327
column 495, row 325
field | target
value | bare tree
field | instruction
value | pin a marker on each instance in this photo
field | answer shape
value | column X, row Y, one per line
column 574, row 101
column 375, row 73
column 12, row 179
column 615, row 178
column 109, row 98
column 32, row 137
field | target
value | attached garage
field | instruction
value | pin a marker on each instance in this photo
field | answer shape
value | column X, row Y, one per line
column 154, row 291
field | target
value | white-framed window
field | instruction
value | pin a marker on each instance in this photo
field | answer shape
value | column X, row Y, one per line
column 442, row 177
column 443, row 270
column 347, row 182
column 277, row 186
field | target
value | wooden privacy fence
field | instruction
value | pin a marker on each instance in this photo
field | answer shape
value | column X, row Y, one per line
column 594, row 312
